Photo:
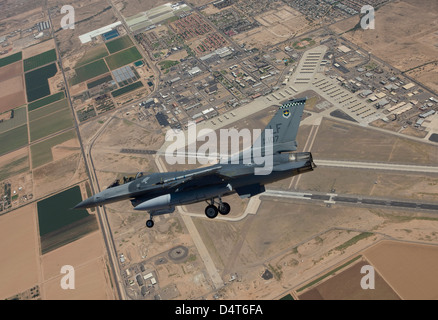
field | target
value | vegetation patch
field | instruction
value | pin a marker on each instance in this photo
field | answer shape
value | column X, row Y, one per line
column 89, row 71
column 94, row 54
column 127, row 89
column 48, row 109
column 123, row 58
column 166, row 64
column 45, row 101
column 119, row 44
column 41, row 152
column 59, row 224
column 39, row 60
column 11, row 59
column 49, row 124
column 13, row 139
column 37, row 85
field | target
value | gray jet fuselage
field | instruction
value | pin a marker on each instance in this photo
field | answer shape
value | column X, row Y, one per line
column 147, row 187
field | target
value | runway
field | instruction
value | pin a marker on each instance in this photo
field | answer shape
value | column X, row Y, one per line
column 331, row 198
column 376, row 166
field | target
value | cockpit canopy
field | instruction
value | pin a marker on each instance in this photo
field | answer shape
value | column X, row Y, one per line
column 125, row 179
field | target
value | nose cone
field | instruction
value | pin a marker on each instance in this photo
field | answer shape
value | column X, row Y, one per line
column 87, row 203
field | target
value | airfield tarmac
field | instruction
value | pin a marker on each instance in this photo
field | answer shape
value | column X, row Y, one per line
column 305, row 238
column 301, row 242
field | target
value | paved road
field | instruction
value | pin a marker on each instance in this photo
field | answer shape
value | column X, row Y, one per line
column 331, row 198
column 199, row 243
column 376, row 166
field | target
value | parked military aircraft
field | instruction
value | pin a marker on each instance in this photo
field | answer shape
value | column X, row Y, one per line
column 159, row 193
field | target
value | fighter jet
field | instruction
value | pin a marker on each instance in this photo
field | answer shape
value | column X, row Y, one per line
column 159, row 193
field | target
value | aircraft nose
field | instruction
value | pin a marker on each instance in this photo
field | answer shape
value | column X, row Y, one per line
column 87, row 203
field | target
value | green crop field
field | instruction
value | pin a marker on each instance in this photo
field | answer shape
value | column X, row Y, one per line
column 19, row 119
column 122, row 58
column 48, row 109
column 127, row 89
column 37, row 85
column 89, row 71
column 39, row 60
column 59, row 224
column 119, row 44
column 13, row 139
column 41, row 152
column 91, row 55
column 49, row 124
column 45, row 101
column 97, row 82
column 11, row 59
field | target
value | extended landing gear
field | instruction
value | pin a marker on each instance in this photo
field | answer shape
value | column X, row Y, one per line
column 211, row 211
column 153, row 213
column 150, row 223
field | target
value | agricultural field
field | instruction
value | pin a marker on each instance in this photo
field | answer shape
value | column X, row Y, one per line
column 49, row 124
column 14, row 163
column 91, row 55
column 12, row 93
column 13, row 139
column 409, row 268
column 45, row 101
column 59, row 224
column 19, row 119
column 346, row 286
column 11, row 59
column 127, row 89
column 89, row 71
column 119, row 44
column 122, row 58
column 42, row 153
column 39, row 60
column 99, row 81
column 37, row 85
column 48, row 109
column 19, row 251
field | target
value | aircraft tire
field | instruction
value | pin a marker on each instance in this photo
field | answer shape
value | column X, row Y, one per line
column 224, row 209
column 149, row 223
column 211, row 211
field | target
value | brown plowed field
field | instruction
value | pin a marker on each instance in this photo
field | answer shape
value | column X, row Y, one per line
column 11, row 86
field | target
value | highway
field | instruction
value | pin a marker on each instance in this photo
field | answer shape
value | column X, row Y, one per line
column 89, row 168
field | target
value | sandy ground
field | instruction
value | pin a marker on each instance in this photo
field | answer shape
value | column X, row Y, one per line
column 19, row 252
column 409, row 268
column 86, row 256
column 59, row 174
column 404, row 35
column 427, row 75
column 38, row 48
column 276, row 26
column 65, row 149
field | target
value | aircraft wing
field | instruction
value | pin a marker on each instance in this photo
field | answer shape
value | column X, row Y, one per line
column 183, row 179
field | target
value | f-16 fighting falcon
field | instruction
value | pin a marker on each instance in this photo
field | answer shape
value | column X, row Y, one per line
column 159, row 193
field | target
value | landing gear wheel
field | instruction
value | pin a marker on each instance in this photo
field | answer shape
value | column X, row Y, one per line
column 224, row 208
column 211, row 211
column 150, row 223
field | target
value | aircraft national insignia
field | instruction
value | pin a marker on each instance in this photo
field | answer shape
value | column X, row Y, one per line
column 286, row 114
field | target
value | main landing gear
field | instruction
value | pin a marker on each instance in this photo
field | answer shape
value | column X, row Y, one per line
column 211, row 211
